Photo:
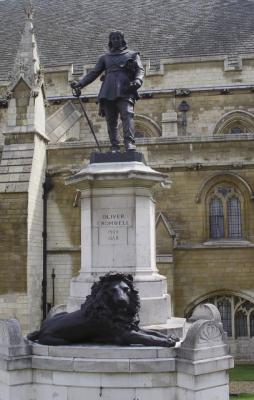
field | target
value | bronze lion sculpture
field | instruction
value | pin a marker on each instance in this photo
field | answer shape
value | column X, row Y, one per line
column 109, row 315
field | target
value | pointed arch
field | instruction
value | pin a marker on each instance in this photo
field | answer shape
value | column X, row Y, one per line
column 20, row 81
column 236, row 310
column 222, row 292
column 237, row 121
column 235, row 194
column 165, row 234
column 144, row 127
column 228, row 176
column 163, row 218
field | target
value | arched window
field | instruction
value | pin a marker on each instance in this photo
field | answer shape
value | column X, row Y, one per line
column 235, row 122
column 237, row 314
column 144, row 127
column 225, row 212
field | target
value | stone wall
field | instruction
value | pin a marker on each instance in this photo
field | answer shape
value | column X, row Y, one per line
column 188, row 212
column 13, row 249
column 204, row 271
column 63, row 238
column 13, row 242
column 205, row 79
column 35, row 232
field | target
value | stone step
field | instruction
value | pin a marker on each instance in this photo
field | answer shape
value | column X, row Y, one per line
column 174, row 326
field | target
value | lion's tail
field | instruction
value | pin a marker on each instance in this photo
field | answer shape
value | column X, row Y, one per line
column 33, row 336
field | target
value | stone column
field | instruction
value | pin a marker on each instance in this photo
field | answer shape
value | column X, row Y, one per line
column 118, row 233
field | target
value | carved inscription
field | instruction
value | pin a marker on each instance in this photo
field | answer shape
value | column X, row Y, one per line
column 113, row 226
column 114, row 220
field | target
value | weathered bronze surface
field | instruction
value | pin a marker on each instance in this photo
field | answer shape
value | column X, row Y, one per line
column 122, row 77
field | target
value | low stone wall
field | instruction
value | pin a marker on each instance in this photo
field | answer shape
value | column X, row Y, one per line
column 242, row 349
column 196, row 369
column 237, row 387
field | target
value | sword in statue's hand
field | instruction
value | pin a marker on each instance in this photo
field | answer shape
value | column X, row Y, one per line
column 76, row 91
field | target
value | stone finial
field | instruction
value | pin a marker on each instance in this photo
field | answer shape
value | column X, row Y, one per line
column 204, row 333
column 206, row 311
column 26, row 111
column 12, row 342
column 204, row 339
column 27, row 64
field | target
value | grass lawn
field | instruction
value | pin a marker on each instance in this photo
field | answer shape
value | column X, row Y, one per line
column 243, row 397
column 243, row 372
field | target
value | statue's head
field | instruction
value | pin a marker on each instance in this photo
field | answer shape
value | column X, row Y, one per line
column 116, row 40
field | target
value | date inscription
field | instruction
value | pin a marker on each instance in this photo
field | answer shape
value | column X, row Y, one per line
column 113, row 226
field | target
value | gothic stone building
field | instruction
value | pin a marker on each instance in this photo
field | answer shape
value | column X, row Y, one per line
column 194, row 122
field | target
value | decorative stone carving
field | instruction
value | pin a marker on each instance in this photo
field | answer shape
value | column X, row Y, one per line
column 204, row 333
column 206, row 337
column 206, row 311
column 12, row 342
column 204, row 340
column 182, row 92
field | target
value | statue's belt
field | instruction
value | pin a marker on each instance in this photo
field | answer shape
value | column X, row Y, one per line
column 114, row 69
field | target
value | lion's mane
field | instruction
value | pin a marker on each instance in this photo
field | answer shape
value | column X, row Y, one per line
column 97, row 305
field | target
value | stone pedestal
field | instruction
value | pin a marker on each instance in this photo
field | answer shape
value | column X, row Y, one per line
column 197, row 369
column 118, row 233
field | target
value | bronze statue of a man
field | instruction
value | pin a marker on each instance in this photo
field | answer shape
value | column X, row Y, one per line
column 123, row 76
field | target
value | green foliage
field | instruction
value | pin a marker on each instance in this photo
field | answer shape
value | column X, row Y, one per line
column 242, row 373
column 243, row 397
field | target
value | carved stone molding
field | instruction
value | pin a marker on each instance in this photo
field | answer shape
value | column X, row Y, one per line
column 206, row 311
column 204, row 333
column 12, row 342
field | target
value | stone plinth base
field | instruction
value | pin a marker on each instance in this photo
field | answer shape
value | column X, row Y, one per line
column 197, row 369
column 110, row 372
column 110, row 157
